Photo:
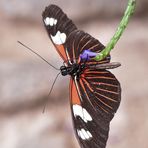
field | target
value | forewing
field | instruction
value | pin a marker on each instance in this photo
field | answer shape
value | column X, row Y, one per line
column 99, row 95
column 78, row 41
column 58, row 27
column 68, row 40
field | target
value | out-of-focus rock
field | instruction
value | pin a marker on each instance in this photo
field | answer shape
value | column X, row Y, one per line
column 26, row 83
column 35, row 130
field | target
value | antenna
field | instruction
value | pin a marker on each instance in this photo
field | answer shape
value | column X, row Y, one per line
column 50, row 92
column 37, row 55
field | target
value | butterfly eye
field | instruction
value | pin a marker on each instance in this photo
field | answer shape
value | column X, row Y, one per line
column 63, row 70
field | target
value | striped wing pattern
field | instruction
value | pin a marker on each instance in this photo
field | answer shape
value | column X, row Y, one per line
column 96, row 94
column 79, row 41
column 104, row 88
column 99, row 93
column 91, row 132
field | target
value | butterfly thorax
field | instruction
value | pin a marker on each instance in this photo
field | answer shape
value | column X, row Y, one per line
column 73, row 69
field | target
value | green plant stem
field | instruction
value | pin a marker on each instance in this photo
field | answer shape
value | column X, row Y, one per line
column 123, row 24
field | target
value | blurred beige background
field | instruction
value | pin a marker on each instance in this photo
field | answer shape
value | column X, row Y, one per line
column 25, row 80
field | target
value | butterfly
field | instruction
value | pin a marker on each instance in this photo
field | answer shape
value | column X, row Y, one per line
column 95, row 93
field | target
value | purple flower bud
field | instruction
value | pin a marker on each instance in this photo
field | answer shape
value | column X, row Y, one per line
column 87, row 55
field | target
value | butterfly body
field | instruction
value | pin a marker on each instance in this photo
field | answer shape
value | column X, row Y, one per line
column 95, row 93
column 73, row 69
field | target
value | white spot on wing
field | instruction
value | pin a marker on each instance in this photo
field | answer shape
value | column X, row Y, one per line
column 87, row 115
column 77, row 110
column 59, row 38
column 55, row 21
column 82, row 112
column 90, row 135
column 83, row 134
column 50, row 21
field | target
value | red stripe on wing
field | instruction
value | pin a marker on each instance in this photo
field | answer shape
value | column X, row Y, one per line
column 102, row 88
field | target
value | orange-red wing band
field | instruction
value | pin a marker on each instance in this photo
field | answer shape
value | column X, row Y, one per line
column 61, row 50
column 75, row 98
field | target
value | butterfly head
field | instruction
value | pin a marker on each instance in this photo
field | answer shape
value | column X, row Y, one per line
column 64, row 70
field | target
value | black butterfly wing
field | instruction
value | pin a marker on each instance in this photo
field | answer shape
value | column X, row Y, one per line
column 95, row 95
column 58, row 27
column 78, row 41
column 104, row 88
column 61, row 30
column 99, row 96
